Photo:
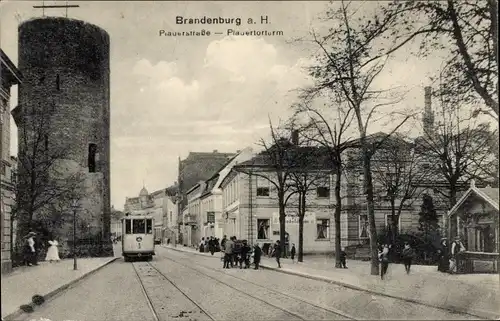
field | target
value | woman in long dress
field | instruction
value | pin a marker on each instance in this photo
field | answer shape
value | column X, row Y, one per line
column 53, row 252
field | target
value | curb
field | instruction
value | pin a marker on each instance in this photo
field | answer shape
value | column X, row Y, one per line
column 47, row 297
column 473, row 312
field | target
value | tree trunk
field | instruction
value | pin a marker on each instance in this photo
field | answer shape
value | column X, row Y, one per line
column 338, row 211
column 281, row 201
column 394, row 223
column 300, row 257
column 371, row 210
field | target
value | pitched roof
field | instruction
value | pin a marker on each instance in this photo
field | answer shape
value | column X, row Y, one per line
column 293, row 157
column 488, row 194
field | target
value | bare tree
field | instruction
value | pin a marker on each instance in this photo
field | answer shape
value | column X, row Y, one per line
column 466, row 31
column 349, row 65
column 309, row 169
column 273, row 165
column 458, row 149
column 332, row 138
column 45, row 184
column 399, row 172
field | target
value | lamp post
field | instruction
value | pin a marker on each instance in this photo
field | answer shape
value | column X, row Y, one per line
column 74, row 206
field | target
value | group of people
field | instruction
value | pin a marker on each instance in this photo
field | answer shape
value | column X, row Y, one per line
column 239, row 253
column 31, row 250
column 449, row 257
column 209, row 244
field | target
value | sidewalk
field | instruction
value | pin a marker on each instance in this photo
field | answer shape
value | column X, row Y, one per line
column 476, row 294
column 46, row 279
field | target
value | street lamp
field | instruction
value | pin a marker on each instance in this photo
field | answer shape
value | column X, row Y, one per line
column 74, row 206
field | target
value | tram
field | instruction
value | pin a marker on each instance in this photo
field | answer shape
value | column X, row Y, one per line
column 138, row 237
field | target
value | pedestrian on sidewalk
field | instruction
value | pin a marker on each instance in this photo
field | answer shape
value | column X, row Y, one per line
column 457, row 247
column 277, row 253
column 228, row 253
column 384, row 260
column 30, row 250
column 257, row 253
column 408, row 254
column 292, row 253
column 53, row 252
column 444, row 256
column 343, row 258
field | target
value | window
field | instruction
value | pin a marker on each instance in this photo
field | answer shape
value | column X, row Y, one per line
column 262, row 191
column 128, row 227
column 58, row 82
column 170, row 217
column 388, row 221
column 210, row 217
column 263, row 229
column 91, row 160
column 323, row 229
column 363, row 226
column 323, row 192
column 149, row 226
column 46, row 137
column 139, row 226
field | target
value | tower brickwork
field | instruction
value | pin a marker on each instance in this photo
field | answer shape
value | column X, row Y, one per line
column 67, row 71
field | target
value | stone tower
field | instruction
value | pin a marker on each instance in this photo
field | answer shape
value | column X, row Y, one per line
column 66, row 67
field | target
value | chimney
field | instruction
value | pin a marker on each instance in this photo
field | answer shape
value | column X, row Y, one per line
column 428, row 98
column 216, row 151
column 295, row 137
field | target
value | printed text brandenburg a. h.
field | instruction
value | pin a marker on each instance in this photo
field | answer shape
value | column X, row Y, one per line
column 207, row 20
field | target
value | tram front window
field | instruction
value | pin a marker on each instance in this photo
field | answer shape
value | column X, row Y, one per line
column 139, row 227
column 149, row 227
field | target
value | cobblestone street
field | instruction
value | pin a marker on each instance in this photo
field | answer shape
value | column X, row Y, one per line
column 178, row 285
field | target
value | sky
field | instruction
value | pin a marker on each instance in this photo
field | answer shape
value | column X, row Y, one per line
column 175, row 95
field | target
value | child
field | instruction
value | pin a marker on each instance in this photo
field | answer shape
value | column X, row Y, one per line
column 343, row 257
column 292, row 252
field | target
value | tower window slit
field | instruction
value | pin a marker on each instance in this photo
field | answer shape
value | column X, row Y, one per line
column 58, row 82
column 92, row 158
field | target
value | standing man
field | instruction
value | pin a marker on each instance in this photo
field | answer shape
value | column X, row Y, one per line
column 257, row 253
column 277, row 253
column 228, row 253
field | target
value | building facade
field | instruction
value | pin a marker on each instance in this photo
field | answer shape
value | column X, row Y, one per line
column 162, row 206
column 211, row 219
column 196, row 167
column 9, row 76
column 63, row 115
column 170, row 216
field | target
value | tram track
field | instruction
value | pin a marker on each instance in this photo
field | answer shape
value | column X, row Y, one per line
column 177, row 310
column 341, row 313
column 286, row 296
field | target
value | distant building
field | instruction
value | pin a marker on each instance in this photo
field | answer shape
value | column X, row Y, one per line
column 171, row 227
column 211, row 221
column 9, row 76
column 196, row 167
column 159, row 204
column 116, row 224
